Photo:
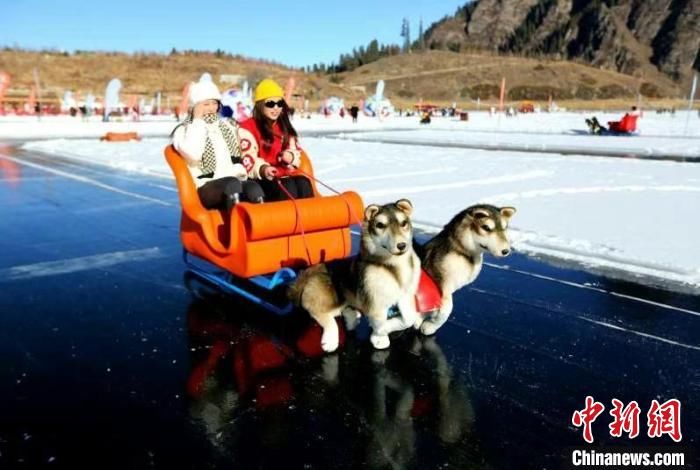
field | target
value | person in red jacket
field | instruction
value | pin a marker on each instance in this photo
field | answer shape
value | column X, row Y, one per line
column 271, row 141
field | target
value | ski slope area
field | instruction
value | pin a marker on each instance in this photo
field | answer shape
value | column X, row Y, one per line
column 628, row 217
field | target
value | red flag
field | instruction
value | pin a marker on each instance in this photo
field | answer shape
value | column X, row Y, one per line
column 31, row 101
column 289, row 89
column 503, row 94
column 184, row 102
column 4, row 85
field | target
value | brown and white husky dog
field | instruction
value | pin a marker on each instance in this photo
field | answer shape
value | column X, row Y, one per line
column 454, row 257
column 384, row 274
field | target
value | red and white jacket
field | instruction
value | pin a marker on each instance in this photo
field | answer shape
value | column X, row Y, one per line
column 252, row 146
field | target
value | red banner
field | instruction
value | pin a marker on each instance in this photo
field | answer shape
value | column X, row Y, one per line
column 289, row 89
column 184, row 102
column 31, row 101
column 503, row 94
column 4, row 85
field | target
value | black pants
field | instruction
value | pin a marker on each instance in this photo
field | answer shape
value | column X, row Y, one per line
column 223, row 193
column 298, row 186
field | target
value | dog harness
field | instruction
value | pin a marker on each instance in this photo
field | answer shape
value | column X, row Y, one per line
column 428, row 296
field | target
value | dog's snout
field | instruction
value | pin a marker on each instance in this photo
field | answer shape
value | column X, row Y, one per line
column 401, row 246
column 505, row 252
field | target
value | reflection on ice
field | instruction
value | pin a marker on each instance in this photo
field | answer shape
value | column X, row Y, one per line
column 256, row 390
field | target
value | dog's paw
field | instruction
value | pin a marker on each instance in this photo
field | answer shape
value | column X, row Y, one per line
column 380, row 341
column 329, row 341
column 428, row 328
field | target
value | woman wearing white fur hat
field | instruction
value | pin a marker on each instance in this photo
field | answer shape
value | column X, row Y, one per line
column 210, row 146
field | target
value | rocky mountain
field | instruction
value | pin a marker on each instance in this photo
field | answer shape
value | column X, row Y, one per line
column 636, row 37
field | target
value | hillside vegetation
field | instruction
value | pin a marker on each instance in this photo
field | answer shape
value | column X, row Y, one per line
column 440, row 76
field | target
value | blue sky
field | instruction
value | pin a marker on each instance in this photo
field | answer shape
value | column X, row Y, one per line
column 293, row 33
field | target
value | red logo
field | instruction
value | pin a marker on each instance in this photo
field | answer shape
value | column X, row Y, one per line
column 665, row 419
column 661, row 419
column 586, row 416
column 626, row 419
column 245, row 144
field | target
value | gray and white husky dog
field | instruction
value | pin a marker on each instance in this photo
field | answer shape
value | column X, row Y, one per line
column 385, row 273
column 454, row 257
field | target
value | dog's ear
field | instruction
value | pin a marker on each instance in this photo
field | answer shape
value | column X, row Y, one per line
column 405, row 206
column 507, row 212
column 371, row 211
column 477, row 213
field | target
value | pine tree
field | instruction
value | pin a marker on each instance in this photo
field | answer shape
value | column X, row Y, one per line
column 372, row 51
column 406, row 35
column 421, row 35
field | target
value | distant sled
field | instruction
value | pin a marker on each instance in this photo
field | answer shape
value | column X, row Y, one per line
column 626, row 125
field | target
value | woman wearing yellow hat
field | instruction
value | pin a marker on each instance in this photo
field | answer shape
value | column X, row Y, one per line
column 270, row 140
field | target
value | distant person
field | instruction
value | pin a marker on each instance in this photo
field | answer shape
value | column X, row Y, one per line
column 425, row 118
column 342, row 112
column 269, row 139
column 354, row 111
column 212, row 151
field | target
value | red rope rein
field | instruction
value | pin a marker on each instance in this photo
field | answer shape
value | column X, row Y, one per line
column 301, row 225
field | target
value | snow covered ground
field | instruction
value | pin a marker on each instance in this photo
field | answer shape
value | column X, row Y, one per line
column 634, row 218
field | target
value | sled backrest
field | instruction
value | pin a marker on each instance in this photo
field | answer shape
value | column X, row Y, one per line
column 195, row 218
column 628, row 123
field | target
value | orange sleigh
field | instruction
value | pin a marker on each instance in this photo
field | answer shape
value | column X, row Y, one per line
column 265, row 244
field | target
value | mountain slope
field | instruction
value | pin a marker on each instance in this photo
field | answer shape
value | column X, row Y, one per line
column 639, row 37
column 445, row 75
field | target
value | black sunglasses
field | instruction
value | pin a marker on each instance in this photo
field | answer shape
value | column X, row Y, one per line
column 272, row 104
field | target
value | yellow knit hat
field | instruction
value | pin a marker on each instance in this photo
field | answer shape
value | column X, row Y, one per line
column 268, row 88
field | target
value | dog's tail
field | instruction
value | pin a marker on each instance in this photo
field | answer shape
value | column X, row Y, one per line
column 296, row 288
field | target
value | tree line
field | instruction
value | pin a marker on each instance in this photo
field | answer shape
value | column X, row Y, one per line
column 372, row 52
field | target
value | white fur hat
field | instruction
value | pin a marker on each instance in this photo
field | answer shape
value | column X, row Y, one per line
column 202, row 91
